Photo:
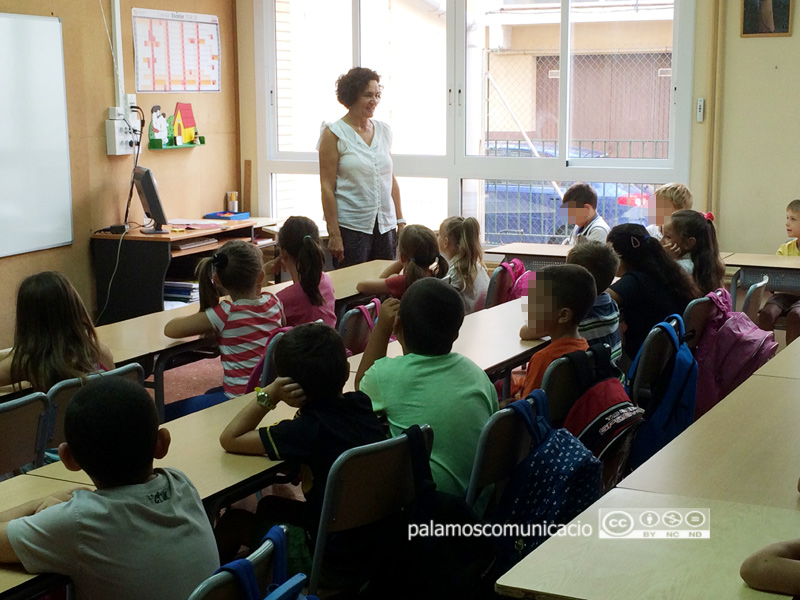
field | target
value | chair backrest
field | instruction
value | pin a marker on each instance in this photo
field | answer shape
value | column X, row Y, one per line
column 23, row 431
column 695, row 319
column 61, row 393
column 753, row 298
column 356, row 325
column 504, row 442
column 268, row 371
column 365, row 485
column 562, row 387
column 224, row 586
column 656, row 352
column 500, row 285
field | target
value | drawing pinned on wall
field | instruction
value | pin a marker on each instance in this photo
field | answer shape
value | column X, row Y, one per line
column 176, row 52
column 766, row 18
column 159, row 125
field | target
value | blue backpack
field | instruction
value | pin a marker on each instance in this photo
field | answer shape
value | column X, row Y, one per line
column 672, row 405
column 557, row 481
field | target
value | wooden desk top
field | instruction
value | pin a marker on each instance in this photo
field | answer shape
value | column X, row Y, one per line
column 144, row 335
column 744, row 450
column 784, row 364
column 135, row 233
column 764, row 261
column 526, row 249
column 16, row 491
column 689, row 569
column 195, row 450
column 489, row 337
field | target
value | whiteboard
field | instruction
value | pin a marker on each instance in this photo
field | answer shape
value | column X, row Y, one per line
column 35, row 191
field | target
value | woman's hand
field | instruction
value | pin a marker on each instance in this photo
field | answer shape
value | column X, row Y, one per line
column 336, row 247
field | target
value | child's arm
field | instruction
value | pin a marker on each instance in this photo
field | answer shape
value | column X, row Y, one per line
column 7, row 554
column 775, row 568
column 379, row 338
column 106, row 357
column 531, row 333
column 393, row 269
column 6, row 357
column 373, row 287
column 181, row 327
column 241, row 435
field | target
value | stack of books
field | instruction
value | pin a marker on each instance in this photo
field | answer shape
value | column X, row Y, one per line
column 182, row 291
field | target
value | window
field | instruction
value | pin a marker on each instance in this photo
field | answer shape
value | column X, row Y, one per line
column 496, row 105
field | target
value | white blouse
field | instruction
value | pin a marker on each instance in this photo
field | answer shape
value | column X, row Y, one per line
column 363, row 178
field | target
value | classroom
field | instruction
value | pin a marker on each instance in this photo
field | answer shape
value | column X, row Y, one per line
column 735, row 156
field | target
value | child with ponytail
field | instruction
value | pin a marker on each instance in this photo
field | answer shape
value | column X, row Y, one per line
column 419, row 258
column 310, row 297
column 242, row 325
column 651, row 285
column 460, row 243
column 691, row 237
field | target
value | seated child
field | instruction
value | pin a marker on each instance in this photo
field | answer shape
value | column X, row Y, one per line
column 563, row 296
column 601, row 324
column 788, row 305
column 460, row 243
column 774, row 568
column 580, row 202
column 143, row 533
column 691, row 237
column 54, row 337
column 311, row 296
column 419, row 257
column 666, row 200
column 312, row 369
column 242, row 326
column 429, row 384
column 651, row 285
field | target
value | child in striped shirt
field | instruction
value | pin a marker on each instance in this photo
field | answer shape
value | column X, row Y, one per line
column 601, row 325
column 242, row 325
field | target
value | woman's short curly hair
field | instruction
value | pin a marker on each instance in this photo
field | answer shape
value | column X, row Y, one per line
column 351, row 84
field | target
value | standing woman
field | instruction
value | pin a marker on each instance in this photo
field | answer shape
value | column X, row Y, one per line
column 360, row 195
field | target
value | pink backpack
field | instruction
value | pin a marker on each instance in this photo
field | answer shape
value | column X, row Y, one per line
column 520, row 277
column 732, row 348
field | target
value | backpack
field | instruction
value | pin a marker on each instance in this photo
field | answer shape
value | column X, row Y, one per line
column 603, row 418
column 732, row 348
column 674, row 397
column 557, row 481
column 521, row 278
column 282, row 588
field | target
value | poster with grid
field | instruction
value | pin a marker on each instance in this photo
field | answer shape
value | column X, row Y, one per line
column 176, row 52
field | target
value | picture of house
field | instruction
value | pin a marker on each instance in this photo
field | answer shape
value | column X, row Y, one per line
column 183, row 124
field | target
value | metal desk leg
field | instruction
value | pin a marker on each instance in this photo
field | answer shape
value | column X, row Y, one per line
column 162, row 365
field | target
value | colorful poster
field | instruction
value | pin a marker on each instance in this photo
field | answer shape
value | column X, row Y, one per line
column 176, row 52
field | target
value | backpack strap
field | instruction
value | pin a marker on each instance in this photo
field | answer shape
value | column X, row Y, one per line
column 583, row 369
column 367, row 317
column 243, row 571
column 537, row 422
column 280, row 561
column 421, row 469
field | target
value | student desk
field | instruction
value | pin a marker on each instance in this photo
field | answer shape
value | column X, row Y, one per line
column 785, row 364
column 219, row 477
column 489, row 337
column 14, row 492
column 534, row 256
column 783, row 271
column 138, row 264
column 590, row 568
column 142, row 338
column 744, row 450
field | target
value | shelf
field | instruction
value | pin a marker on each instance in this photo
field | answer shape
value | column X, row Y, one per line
column 177, row 252
column 158, row 144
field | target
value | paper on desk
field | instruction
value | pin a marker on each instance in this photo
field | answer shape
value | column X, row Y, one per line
column 215, row 222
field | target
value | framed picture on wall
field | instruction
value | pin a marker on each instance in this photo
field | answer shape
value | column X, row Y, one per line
column 767, row 18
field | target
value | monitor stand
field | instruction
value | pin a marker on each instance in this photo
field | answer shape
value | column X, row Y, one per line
column 156, row 229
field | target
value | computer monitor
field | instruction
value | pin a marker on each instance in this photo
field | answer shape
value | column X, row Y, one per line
column 148, row 194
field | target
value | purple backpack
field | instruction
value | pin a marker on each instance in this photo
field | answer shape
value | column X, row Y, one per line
column 520, row 277
column 732, row 348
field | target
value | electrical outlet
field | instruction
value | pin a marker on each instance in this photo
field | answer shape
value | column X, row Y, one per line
column 119, row 138
column 701, row 110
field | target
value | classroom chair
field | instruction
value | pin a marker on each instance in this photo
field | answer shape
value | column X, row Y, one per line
column 224, row 586
column 562, row 387
column 23, row 431
column 656, row 353
column 500, row 285
column 753, row 299
column 695, row 318
column 265, row 372
column 366, row 485
column 61, row 393
column 356, row 324
column 504, row 443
